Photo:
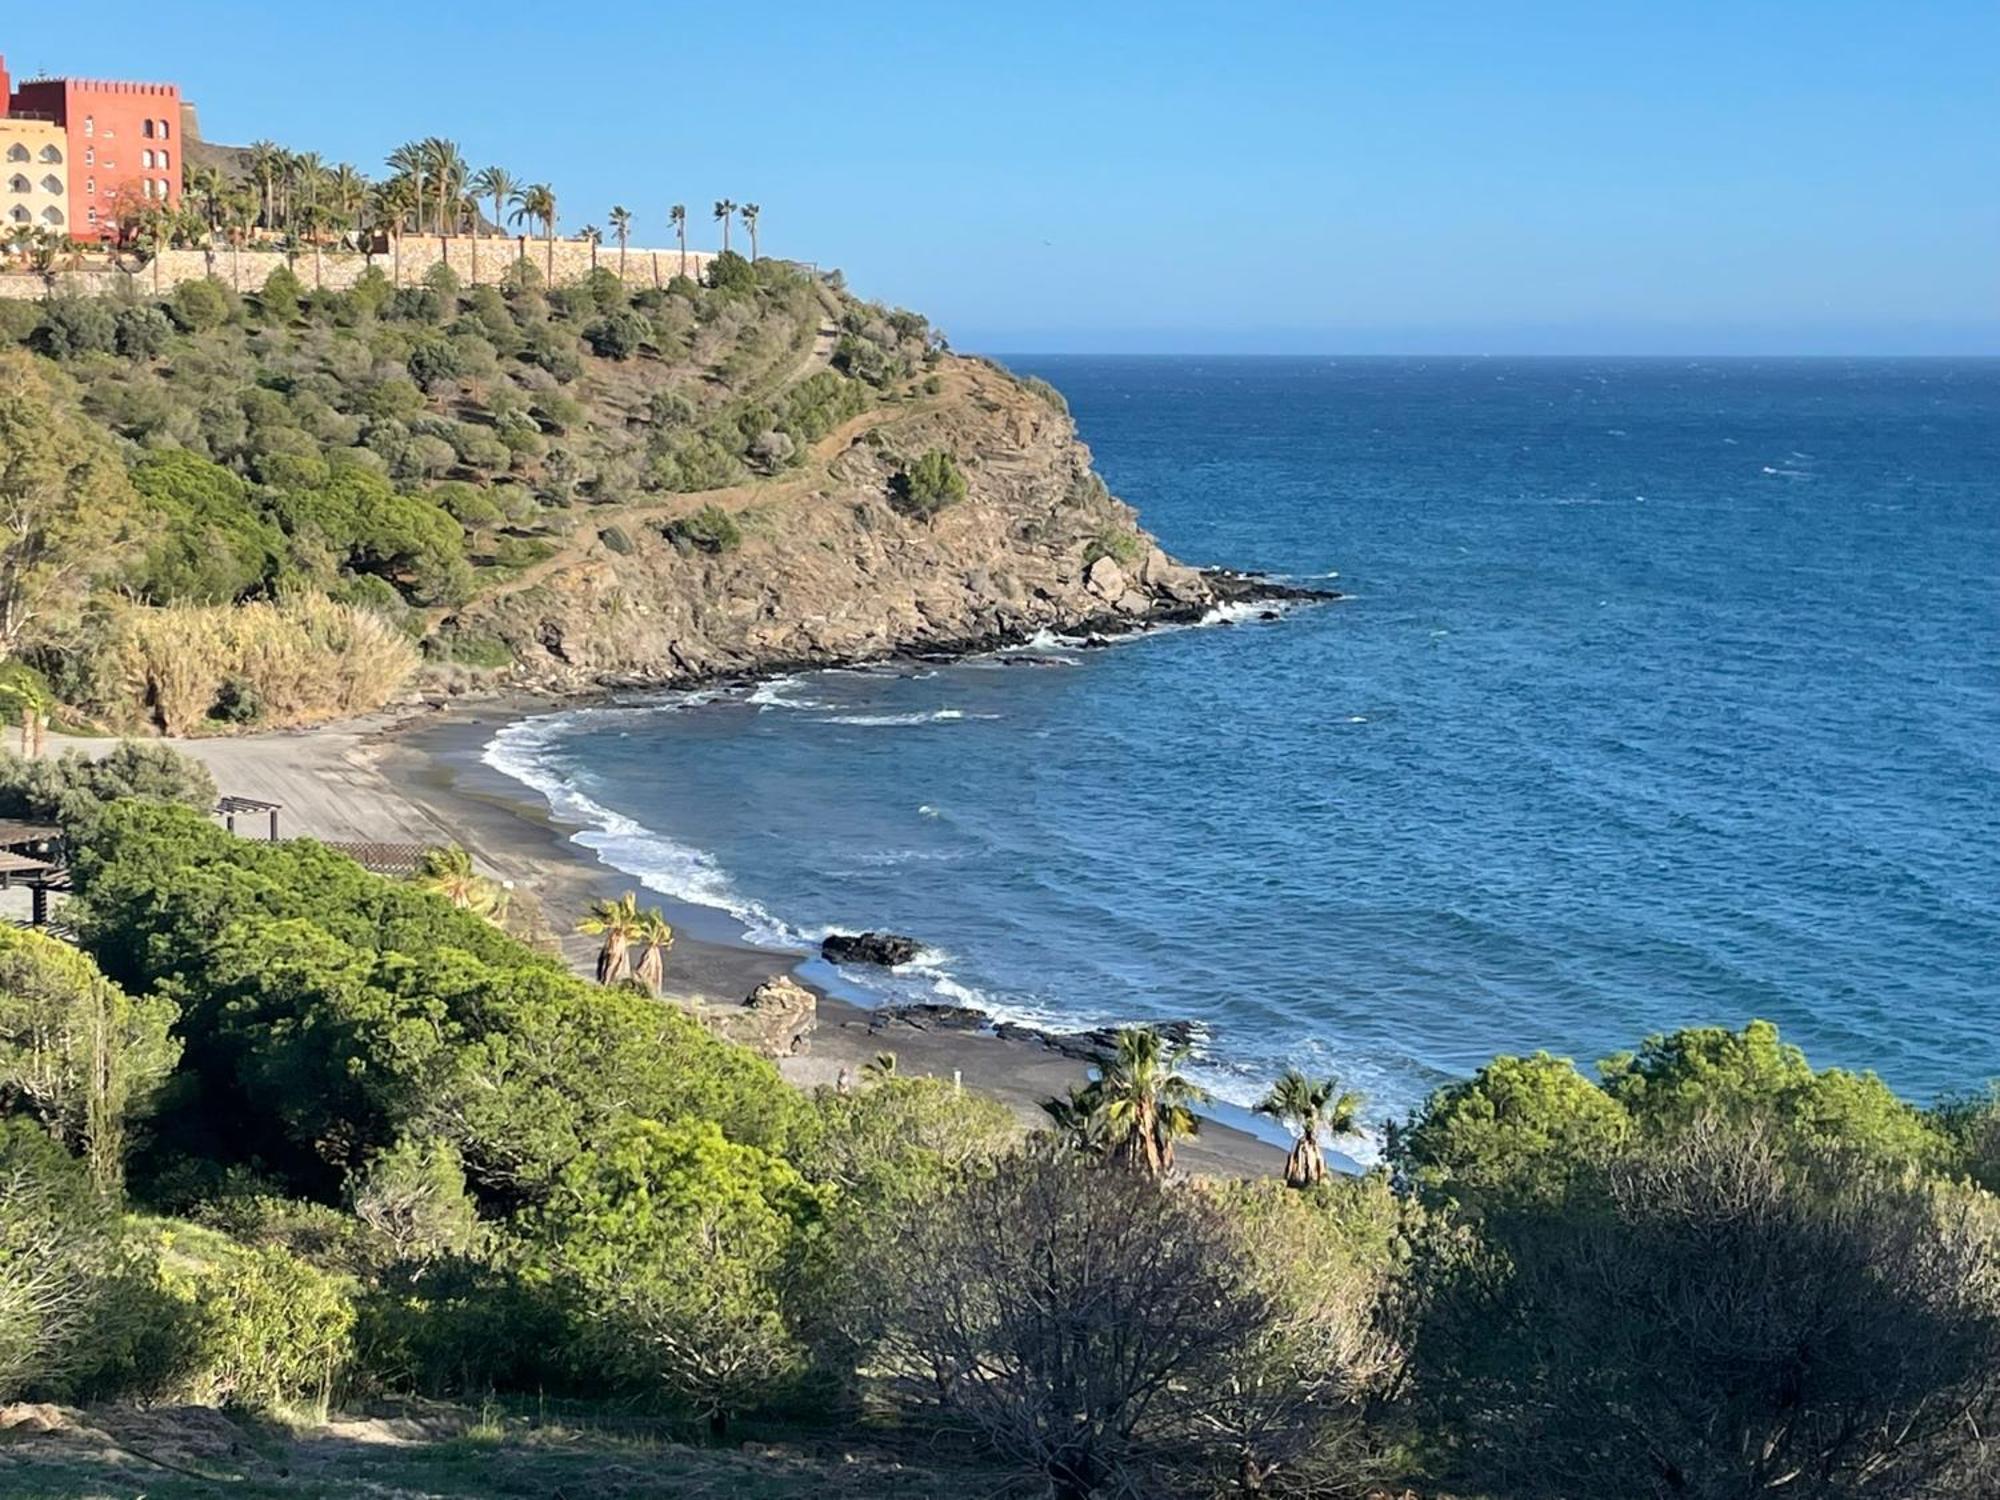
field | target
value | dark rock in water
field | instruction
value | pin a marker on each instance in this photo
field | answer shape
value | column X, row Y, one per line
column 1095, row 643
column 1036, row 661
column 1097, row 1045
column 929, row 1016
column 885, row 948
column 1270, row 614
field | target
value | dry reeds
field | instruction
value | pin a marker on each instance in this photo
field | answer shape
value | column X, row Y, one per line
column 196, row 669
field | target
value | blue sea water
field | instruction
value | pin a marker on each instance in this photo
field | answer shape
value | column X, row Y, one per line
column 1668, row 692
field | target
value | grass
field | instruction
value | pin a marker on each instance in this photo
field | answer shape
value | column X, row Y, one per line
column 493, row 1453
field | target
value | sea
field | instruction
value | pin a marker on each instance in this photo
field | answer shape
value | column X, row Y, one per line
column 1661, row 692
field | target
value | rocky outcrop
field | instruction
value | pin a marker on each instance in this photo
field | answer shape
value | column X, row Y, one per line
column 887, row 949
column 830, row 568
column 775, row 1021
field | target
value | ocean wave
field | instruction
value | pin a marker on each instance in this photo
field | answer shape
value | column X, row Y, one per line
column 776, row 692
column 527, row 752
column 933, row 716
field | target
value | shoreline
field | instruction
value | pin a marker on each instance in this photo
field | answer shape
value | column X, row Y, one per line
column 417, row 776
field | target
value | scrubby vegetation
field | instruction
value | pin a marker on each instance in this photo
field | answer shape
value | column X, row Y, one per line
column 279, row 1134
column 225, row 510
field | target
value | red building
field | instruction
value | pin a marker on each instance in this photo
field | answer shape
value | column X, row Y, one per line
column 124, row 143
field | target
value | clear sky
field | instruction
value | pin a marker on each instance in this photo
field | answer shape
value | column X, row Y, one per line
column 1340, row 176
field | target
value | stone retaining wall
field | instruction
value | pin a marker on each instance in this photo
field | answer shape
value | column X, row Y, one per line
column 475, row 262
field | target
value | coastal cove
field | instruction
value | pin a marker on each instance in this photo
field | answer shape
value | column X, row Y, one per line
column 1455, row 815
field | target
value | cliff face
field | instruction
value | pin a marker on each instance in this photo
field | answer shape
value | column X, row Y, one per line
column 831, row 568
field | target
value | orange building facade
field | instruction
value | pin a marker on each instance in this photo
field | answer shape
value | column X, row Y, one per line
column 123, row 143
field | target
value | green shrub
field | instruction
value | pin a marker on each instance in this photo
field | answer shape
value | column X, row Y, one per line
column 205, row 540
column 58, row 1250
column 928, row 485
column 618, row 335
column 142, row 332
column 1120, row 544
column 282, row 297
column 18, row 320
column 73, row 788
column 228, row 1324
column 672, row 1249
column 730, row 272
column 710, row 529
column 202, row 306
column 74, row 326
column 435, row 363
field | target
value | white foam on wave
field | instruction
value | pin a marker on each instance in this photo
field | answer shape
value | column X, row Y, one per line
column 527, row 751
column 1239, row 611
column 780, row 692
column 933, row 716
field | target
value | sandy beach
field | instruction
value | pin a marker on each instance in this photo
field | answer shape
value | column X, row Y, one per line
column 417, row 777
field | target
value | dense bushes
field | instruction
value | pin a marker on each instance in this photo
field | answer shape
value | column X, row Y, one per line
column 426, row 1158
column 928, row 485
column 192, row 667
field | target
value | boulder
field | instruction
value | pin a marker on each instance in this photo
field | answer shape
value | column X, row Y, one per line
column 887, row 949
column 775, row 1021
column 1105, row 579
column 928, row 1015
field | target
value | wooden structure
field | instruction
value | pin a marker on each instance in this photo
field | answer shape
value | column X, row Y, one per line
column 228, row 807
column 398, row 861
column 31, row 854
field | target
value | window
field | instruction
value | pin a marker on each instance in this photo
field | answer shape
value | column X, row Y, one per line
column 164, row 163
column 146, row 186
column 90, row 156
column 20, row 215
column 51, row 154
column 93, row 216
column 163, row 130
column 19, row 184
column 90, row 124
column 90, row 187
column 146, row 159
column 17, row 152
column 147, row 130
column 52, row 184
column 52, row 215
column 166, row 188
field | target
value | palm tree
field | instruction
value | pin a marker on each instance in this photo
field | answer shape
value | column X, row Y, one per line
column 205, row 186
column 723, row 210
column 264, row 159
column 658, row 937
column 316, row 219
column 1079, row 1119
column 592, row 236
column 617, row 922
column 1147, row 1100
column 447, row 174
column 448, row 872
column 1307, row 1106
column 621, row 228
column 537, row 203
column 679, row 215
column 498, row 184
column 412, row 160
column 391, row 208
column 750, row 212
column 347, row 194
column 239, row 212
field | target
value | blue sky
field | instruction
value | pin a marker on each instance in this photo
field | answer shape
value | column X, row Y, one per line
column 1340, row 176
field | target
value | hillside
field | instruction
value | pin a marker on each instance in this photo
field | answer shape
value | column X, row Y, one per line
column 460, row 489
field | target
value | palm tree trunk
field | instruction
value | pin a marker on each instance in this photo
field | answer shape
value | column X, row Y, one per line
column 396, row 250
column 475, row 255
column 319, row 268
column 552, row 255
column 684, row 252
column 621, row 258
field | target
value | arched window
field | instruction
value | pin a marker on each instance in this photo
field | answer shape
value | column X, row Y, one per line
column 19, row 184
column 17, row 152
column 166, row 188
column 52, row 215
column 52, row 184
column 90, row 156
column 147, row 130
column 20, row 215
column 51, row 154
column 146, row 160
column 90, row 124
column 164, row 163
column 90, row 187
column 163, row 130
